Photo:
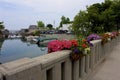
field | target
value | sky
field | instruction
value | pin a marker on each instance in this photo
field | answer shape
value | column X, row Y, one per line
column 19, row 14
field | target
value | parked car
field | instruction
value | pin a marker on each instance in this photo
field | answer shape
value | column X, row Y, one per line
column 61, row 31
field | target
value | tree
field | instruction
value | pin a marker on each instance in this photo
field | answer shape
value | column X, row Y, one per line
column 108, row 20
column 116, row 11
column 98, row 18
column 57, row 28
column 80, row 23
column 40, row 24
column 94, row 17
column 64, row 20
column 50, row 26
column 107, row 16
column 1, row 25
column 36, row 33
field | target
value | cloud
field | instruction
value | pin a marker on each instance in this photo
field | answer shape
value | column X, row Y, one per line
column 24, row 12
column 51, row 5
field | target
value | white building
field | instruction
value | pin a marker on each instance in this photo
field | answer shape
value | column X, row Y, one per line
column 66, row 26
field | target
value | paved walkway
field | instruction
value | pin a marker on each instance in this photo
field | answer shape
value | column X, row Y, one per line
column 110, row 68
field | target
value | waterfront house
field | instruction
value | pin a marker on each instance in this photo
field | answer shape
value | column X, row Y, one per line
column 33, row 27
column 5, row 33
column 23, row 32
column 66, row 26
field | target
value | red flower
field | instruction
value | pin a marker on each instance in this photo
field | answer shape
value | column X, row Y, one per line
column 84, row 45
column 74, row 43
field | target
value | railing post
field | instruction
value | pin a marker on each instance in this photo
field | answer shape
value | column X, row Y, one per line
column 82, row 67
column 100, row 51
column 97, row 52
column 43, row 75
column 94, row 55
column 91, row 61
column 68, row 69
column 1, row 76
column 92, row 58
column 119, row 38
column 57, row 71
column 75, row 70
column 87, row 58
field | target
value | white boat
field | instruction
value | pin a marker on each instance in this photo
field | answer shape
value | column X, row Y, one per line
column 14, row 36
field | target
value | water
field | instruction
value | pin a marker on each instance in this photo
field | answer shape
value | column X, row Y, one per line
column 12, row 49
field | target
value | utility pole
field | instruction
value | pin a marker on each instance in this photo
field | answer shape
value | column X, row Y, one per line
column 54, row 23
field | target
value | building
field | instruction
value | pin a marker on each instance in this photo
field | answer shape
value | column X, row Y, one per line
column 33, row 27
column 5, row 32
column 66, row 26
column 23, row 32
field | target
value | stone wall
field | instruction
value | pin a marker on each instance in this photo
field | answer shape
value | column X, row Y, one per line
column 57, row 65
column 60, row 36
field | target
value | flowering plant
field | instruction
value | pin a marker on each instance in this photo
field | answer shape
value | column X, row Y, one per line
column 57, row 45
column 82, row 49
column 105, row 38
column 108, row 37
column 79, row 47
column 114, row 34
column 93, row 37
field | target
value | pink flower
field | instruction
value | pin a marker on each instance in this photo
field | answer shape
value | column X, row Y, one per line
column 55, row 45
column 66, row 44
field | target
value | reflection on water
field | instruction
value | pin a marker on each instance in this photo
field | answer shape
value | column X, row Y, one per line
column 12, row 49
column 1, row 42
column 42, row 46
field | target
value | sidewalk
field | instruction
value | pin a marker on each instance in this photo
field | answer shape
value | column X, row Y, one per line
column 110, row 68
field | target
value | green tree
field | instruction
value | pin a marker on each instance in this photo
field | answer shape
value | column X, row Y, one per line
column 81, row 24
column 36, row 33
column 67, row 20
column 107, row 16
column 64, row 20
column 50, row 26
column 57, row 28
column 40, row 24
column 1, row 25
column 94, row 17
column 116, row 11
column 98, row 18
column 108, row 20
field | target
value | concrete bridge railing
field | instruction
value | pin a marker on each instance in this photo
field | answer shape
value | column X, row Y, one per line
column 57, row 65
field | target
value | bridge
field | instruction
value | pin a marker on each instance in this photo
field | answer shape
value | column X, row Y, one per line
column 109, row 68
column 102, row 64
